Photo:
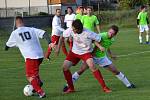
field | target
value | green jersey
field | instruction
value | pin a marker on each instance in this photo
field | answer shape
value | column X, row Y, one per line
column 79, row 16
column 106, row 42
column 142, row 18
column 89, row 22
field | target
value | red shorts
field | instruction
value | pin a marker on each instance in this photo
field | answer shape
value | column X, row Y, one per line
column 55, row 38
column 32, row 67
column 75, row 58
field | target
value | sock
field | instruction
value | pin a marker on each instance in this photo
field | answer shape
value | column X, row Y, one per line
column 68, row 77
column 123, row 78
column 39, row 81
column 64, row 49
column 75, row 77
column 49, row 50
column 140, row 39
column 36, row 85
column 97, row 74
column 70, row 44
column 147, row 38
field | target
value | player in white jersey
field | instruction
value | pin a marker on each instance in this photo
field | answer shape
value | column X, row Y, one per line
column 82, row 49
column 57, row 31
column 27, row 40
column 69, row 17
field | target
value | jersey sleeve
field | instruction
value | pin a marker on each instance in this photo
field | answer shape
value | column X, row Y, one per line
column 82, row 20
column 94, row 36
column 12, row 40
column 57, row 25
column 96, row 21
column 65, row 20
column 38, row 32
column 67, row 33
column 139, row 15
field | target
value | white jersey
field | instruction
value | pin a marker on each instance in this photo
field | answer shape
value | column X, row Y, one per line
column 27, row 40
column 56, row 26
column 69, row 19
column 82, row 43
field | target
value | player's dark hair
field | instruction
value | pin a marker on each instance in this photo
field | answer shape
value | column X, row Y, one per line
column 115, row 28
column 89, row 7
column 81, row 7
column 78, row 25
column 19, row 18
column 70, row 8
column 57, row 10
column 142, row 7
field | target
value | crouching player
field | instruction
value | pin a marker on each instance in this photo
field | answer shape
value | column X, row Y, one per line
column 27, row 40
column 81, row 50
column 102, row 59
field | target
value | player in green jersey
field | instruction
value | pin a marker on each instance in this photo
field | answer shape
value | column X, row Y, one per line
column 101, row 58
column 90, row 21
column 142, row 22
column 80, row 13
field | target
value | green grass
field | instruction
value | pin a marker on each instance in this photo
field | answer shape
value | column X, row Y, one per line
column 135, row 67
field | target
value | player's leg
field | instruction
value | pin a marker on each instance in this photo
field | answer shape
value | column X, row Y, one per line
column 39, row 79
column 97, row 74
column 147, row 34
column 32, row 73
column 141, row 30
column 54, row 39
column 120, row 76
column 70, row 60
column 64, row 47
column 77, row 74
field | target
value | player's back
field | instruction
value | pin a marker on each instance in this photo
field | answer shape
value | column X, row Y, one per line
column 27, row 40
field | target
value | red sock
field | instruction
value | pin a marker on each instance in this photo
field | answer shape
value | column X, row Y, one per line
column 97, row 74
column 70, row 44
column 68, row 77
column 47, row 54
column 39, row 81
column 64, row 49
column 36, row 85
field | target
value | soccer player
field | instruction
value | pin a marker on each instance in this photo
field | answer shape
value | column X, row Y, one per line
column 142, row 22
column 27, row 40
column 69, row 17
column 81, row 50
column 80, row 13
column 90, row 21
column 56, row 33
column 101, row 58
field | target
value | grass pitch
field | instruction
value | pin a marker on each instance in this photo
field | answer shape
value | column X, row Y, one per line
column 135, row 66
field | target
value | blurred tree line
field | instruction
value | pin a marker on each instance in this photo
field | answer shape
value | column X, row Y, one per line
column 130, row 4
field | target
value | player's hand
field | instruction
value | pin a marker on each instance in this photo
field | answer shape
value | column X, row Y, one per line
column 52, row 45
column 102, row 49
column 138, row 26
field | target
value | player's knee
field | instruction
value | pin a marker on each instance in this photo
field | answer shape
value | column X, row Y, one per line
column 30, row 79
column 66, row 65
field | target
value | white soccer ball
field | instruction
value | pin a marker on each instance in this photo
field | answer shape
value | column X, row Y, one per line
column 28, row 90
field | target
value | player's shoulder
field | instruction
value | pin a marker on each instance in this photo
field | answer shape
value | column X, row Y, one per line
column 85, row 30
column 73, row 14
column 103, row 34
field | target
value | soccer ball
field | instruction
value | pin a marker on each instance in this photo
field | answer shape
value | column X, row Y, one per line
column 28, row 90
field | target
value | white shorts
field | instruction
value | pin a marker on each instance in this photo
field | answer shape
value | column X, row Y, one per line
column 144, row 28
column 102, row 62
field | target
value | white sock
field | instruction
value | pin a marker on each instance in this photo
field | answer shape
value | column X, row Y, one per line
column 140, row 39
column 123, row 78
column 75, row 77
column 147, row 38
